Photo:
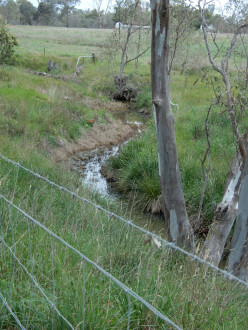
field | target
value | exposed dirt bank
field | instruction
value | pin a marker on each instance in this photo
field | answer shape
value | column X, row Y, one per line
column 100, row 136
column 97, row 104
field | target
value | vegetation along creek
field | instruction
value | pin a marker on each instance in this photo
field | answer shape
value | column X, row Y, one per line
column 80, row 151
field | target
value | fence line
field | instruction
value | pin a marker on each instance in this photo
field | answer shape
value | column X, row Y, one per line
column 11, row 312
column 126, row 289
column 171, row 245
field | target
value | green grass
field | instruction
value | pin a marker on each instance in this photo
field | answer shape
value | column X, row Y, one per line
column 35, row 118
column 137, row 164
column 38, row 108
column 59, row 41
column 194, row 298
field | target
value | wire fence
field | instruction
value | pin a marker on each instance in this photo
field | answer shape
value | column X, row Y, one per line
column 130, row 223
column 11, row 312
column 127, row 290
column 51, row 301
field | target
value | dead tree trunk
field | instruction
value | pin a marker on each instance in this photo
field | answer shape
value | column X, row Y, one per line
column 238, row 258
column 179, row 228
column 124, row 50
column 224, row 215
column 227, row 209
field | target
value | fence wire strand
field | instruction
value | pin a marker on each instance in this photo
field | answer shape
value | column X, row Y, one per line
column 131, row 224
column 14, row 263
column 128, row 311
column 11, row 312
column 32, row 267
column 52, row 257
column 103, row 271
column 84, row 291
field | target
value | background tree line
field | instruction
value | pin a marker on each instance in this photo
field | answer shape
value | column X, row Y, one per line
column 52, row 13
column 65, row 13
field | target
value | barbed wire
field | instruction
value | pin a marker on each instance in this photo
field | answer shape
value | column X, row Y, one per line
column 126, row 289
column 11, row 312
column 171, row 245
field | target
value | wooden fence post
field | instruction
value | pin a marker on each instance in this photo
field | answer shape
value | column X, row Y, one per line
column 93, row 58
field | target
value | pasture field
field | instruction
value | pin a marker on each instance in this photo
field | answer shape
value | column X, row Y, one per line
column 59, row 41
column 38, row 115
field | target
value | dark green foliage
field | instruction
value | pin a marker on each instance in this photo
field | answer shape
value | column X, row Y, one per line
column 10, row 11
column 7, row 43
column 35, row 119
column 46, row 13
column 27, row 11
column 67, row 7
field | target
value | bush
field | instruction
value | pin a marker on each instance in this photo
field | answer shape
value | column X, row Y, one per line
column 7, row 43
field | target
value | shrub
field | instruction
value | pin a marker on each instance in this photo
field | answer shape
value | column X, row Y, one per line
column 7, row 43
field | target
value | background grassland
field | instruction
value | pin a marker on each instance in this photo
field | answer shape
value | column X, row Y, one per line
column 35, row 117
column 59, row 41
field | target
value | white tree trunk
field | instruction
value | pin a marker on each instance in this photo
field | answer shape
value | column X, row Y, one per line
column 238, row 258
column 224, row 215
column 227, row 209
column 180, row 230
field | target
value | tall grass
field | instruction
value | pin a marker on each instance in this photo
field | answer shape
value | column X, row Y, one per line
column 195, row 297
column 37, row 113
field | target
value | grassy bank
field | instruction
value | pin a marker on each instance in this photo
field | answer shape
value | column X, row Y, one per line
column 137, row 165
column 38, row 114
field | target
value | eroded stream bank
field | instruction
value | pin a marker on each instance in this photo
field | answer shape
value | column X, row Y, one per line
column 89, row 163
column 95, row 147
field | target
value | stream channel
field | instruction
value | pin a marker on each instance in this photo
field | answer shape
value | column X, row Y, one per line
column 88, row 165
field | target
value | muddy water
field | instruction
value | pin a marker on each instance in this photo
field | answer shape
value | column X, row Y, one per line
column 89, row 163
column 130, row 117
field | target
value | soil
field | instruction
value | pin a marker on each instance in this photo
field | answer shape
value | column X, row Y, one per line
column 100, row 104
column 100, row 136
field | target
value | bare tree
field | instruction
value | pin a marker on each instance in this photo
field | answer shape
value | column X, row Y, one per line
column 226, row 210
column 102, row 11
column 182, row 30
column 179, row 228
column 130, row 31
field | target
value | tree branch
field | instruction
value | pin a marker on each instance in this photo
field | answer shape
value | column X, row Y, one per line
column 135, row 58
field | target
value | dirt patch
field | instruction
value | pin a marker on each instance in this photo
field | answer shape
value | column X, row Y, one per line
column 100, row 136
column 110, row 105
